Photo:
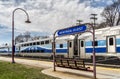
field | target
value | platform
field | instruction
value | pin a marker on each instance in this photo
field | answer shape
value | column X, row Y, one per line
column 64, row 73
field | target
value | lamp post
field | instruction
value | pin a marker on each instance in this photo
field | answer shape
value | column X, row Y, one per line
column 27, row 21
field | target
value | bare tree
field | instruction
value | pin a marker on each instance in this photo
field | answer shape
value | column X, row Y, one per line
column 101, row 25
column 19, row 39
column 22, row 37
column 118, row 10
column 27, row 36
column 112, row 14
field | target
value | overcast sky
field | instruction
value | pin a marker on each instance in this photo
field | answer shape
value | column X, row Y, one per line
column 46, row 15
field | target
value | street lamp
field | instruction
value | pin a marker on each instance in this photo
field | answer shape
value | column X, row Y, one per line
column 27, row 21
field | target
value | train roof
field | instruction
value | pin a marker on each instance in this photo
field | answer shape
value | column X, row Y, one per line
column 99, row 33
column 58, row 39
column 31, row 41
column 1, row 47
column 67, row 37
column 102, row 32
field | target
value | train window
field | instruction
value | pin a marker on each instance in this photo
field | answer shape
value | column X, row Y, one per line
column 70, row 44
column 24, row 44
column 34, row 51
column 34, row 43
column 27, row 51
column 95, row 43
column 47, row 42
column 38, row 51
column 42, row 51
column 42, row 42
column 30, row 51
column 82, row 43
column 111, row 41
column 27, row 44
column 38, row 43
column 30, row 44
column 61, row 45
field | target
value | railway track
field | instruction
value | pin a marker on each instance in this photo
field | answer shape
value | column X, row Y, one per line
column 113, row 62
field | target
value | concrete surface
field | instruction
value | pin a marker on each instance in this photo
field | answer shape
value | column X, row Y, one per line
column 64, row 73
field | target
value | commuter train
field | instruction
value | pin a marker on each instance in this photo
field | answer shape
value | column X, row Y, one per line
column 107, row 43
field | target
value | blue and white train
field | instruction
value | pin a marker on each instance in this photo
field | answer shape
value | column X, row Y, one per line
column 5, row 50
column 42, row 47
column 107, row 43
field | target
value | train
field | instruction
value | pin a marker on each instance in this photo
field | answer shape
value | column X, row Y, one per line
column 107, row 43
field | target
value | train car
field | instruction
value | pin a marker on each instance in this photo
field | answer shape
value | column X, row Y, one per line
column 43, row 47
column 5, row 50
column 107, row 43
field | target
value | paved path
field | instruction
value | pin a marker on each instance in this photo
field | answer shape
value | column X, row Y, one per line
column 64, row 73
column 36, row 63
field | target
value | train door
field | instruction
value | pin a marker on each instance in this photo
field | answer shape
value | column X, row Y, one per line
column 70, row 48
column 111, row 44
column 82, row 48
column 75, row 52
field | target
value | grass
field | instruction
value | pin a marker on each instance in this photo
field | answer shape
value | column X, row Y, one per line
column 18, row 71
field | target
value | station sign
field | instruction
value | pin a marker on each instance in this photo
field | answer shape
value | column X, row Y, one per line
column 72, row 30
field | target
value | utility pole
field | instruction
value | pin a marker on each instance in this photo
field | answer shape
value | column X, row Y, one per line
column 94, row 19
column 79, row 22
column 94, row 58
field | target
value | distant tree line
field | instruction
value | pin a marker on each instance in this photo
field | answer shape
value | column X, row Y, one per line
column 23, row 37
column 27, row 37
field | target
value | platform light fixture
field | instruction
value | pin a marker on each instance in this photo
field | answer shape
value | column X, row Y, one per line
column 27, row 21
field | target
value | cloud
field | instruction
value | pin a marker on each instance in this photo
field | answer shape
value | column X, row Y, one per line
column 48, row 15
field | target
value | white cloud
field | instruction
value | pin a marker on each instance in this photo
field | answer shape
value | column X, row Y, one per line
column 48, row 15
column 109, row 2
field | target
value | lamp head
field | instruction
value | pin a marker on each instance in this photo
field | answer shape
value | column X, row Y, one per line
column 27, row 21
